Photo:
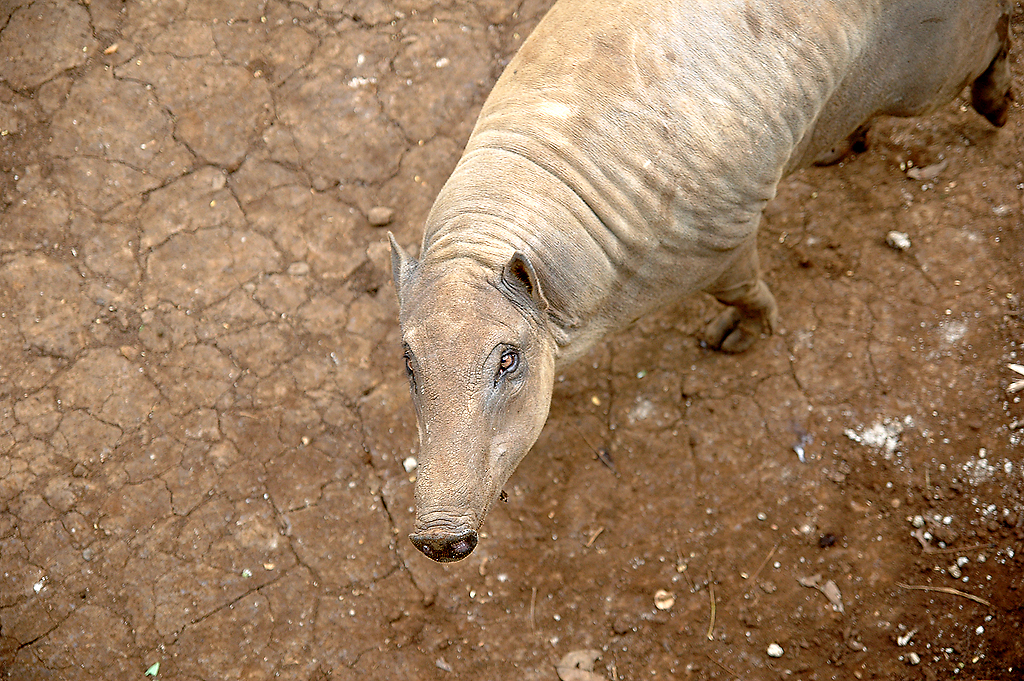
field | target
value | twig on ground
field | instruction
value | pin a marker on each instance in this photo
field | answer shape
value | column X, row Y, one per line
column 945, row 590
column 926, row 546
column 533, row 606
column 711, row 592
column 601, row 454
column 723, row 666
column 764, row 562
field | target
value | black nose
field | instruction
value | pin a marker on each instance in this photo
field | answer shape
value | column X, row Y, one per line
column 445, row 548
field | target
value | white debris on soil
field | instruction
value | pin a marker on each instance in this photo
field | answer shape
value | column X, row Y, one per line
column 883, row 435
column 905, row 638
column 898, row 241
column 1016, row 386
column 979, row 470
column 642, row 411
column 775, row 650
column 952, row 331
column 579, row 666
column 799, row 447
column 664, row 600
column 928, row 172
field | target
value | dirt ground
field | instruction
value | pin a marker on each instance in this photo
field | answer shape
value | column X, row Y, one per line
column 204, row 421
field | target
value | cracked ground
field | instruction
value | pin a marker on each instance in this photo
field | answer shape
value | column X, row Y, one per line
column 205, row 425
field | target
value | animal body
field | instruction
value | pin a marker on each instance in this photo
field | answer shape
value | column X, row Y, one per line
column 622, row 162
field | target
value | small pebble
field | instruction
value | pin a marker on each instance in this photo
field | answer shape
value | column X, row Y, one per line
column 663, row 600
column 775, row 650
column 898, row 241
column 914, row 658
column 409, row 464
column 298, row 269
column 380, row 216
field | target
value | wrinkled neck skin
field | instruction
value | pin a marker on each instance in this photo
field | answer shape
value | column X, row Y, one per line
column 483, row 215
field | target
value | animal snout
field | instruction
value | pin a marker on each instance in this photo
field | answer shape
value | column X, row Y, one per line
column 445, row 548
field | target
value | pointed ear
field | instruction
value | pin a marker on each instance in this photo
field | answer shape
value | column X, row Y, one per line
column 403, row 266
column 521, row 279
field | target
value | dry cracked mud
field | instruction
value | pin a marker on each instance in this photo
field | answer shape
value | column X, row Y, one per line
column 204, row 423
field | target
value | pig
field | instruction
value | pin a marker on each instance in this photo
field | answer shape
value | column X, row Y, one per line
column 622, row 162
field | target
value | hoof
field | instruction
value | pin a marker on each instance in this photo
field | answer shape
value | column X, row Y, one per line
column 728, row 333
column 733, row 332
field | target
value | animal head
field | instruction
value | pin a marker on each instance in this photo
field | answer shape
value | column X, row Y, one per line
column 480, row 361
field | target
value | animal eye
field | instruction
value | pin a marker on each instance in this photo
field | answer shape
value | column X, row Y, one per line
column 408, row 364
column 509, row 362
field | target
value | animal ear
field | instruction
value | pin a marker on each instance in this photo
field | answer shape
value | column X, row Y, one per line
column 520, row 277
column 403, row 266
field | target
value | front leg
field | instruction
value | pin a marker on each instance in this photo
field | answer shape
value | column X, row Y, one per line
column 752, row 310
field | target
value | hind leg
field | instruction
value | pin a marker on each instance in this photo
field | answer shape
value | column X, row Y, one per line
column 751, row 310
column 990, row 92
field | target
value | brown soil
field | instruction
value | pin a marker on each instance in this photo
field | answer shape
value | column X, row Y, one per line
column 204, row 419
